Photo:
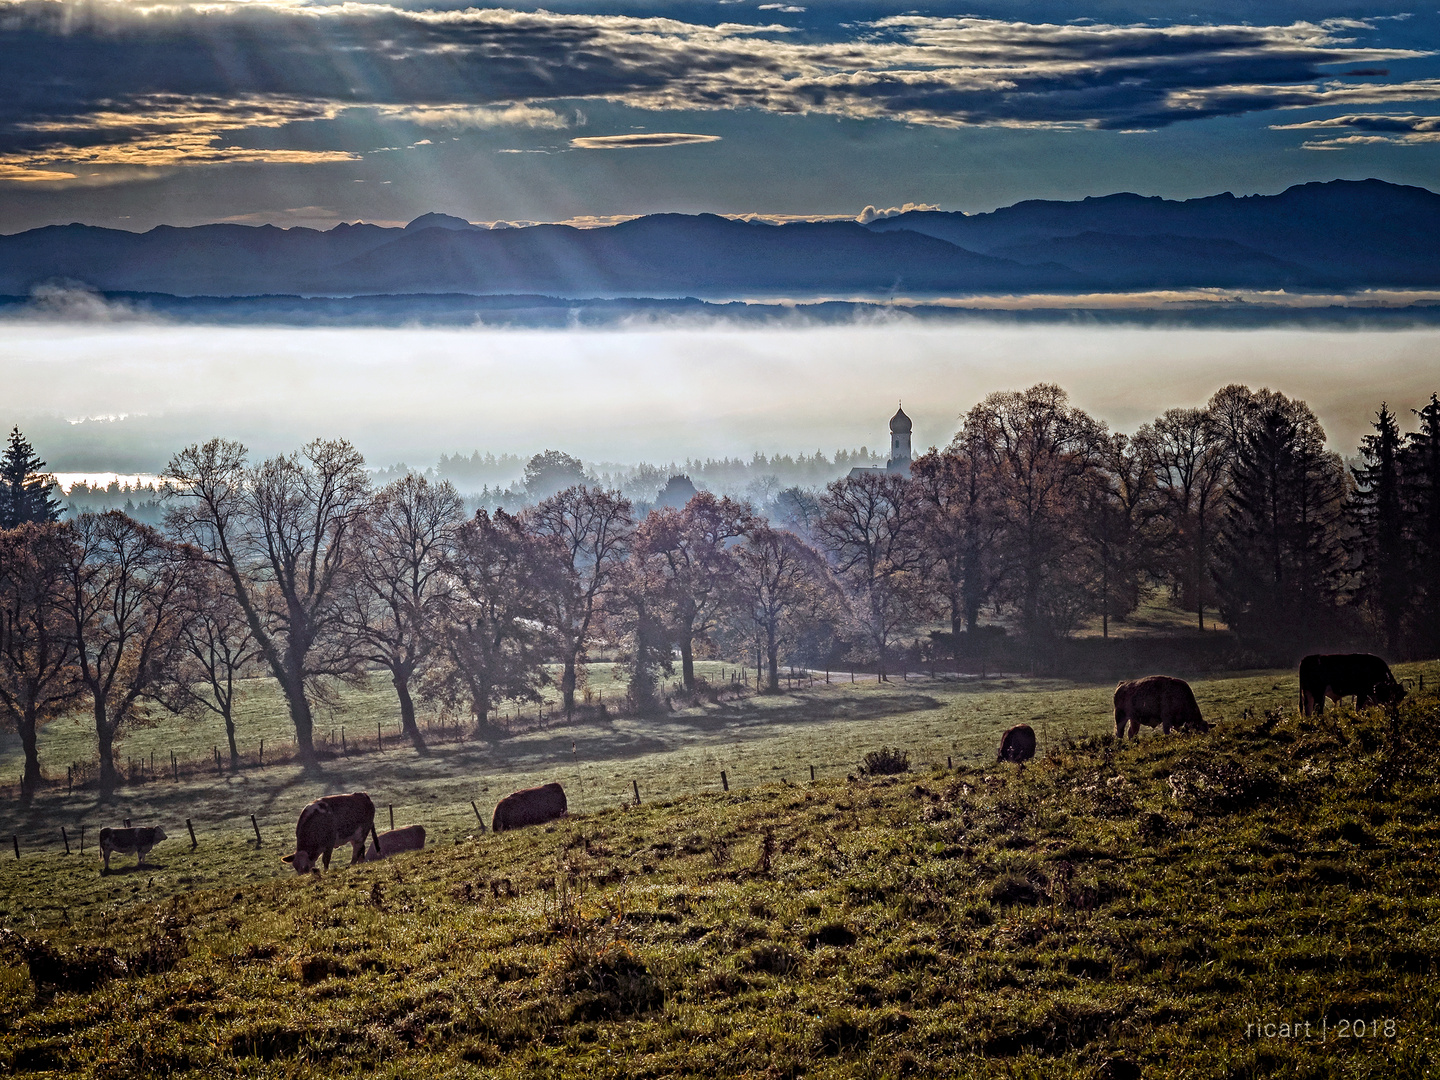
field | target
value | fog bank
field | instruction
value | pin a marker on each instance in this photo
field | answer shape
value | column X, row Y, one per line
column 124, row 397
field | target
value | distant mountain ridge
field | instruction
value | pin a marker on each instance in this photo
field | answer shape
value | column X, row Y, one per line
column 1337, row 235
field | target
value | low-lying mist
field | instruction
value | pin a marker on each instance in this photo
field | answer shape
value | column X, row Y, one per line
column 125, row 396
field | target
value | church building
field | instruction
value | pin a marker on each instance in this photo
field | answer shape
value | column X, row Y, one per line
column 900, row 457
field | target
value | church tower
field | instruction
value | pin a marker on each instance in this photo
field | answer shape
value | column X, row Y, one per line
column 900, row 428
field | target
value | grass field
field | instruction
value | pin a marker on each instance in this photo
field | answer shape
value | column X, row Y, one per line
column 755, row 740
column 1155, row 908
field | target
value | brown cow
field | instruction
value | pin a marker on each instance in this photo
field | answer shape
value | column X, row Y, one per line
column 1338, row 675
column 326, row 824
column 1017, row 744
column 1156, row 700
column 137, row 842
column 410, row 838
column 531, row 806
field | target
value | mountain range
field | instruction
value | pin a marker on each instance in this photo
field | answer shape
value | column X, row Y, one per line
column 1341, row 235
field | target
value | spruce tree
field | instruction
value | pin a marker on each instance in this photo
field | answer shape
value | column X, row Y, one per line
column 1380, row 542
column 1281, row 564
column 24, row 485
column 1421, row 475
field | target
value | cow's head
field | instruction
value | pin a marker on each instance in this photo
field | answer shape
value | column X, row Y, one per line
column 302, row 861
column 1389, row 692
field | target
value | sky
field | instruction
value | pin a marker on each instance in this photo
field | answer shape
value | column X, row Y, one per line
column 131, row 114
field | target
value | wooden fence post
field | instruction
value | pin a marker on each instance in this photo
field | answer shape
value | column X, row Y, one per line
column 379, row 737
column 69, row 779
column 812, row 774
column 256, row 826
column 65, row 839
column 16, row 841
column 636, row 785
column 343, row 748
column 193, row 842
column 262, row 753
column 949, row 764
column 477, row 815
column 392, row 817
column 175, row 766
column 724, row 781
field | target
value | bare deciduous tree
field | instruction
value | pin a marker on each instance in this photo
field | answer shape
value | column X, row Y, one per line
column 38, row 678
column 781, row 585
column 870, row 527
column 494, row 643
column 696, row 562
column 593, row 530
column 283, row 533
column 400, row 590
column 125, row 602
column 217, row 650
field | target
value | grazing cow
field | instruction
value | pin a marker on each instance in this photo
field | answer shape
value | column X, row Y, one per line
column 1338, row 675
column 326, row 824
column 1017, row 744
column 532, row 806
column 410, row 838
column 136, row 842
column 1156, row 699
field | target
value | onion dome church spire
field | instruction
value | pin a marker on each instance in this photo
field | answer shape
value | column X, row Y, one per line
column 900, row 428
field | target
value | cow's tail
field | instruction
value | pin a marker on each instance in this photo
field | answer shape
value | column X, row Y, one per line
column 374, row 835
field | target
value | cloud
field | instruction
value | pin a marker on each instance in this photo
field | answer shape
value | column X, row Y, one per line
column 640, row 139
column 471, row 116
column 1371, row 129
column 787, row 9
column 106, row 84
column 870, row 214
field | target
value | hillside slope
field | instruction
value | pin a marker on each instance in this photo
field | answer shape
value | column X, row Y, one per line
column 1158, row 908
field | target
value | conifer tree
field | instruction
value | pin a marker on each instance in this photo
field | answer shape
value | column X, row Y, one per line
column 1380, row 541
column 24, row 485
column 1421, row 478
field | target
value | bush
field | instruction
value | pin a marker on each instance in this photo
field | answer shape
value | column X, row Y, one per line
column 887, row 761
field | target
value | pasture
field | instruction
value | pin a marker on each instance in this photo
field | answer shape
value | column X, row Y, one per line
column 1113, row 910
column 754, row 740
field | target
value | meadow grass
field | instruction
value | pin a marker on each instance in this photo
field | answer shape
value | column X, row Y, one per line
column 1152, row 907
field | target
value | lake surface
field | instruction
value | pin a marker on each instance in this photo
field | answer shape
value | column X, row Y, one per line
column 124, row 396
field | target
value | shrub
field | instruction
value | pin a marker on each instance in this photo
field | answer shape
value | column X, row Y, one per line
column 887, row 761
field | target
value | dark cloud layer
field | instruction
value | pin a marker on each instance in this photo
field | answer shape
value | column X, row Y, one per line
column 106, row 83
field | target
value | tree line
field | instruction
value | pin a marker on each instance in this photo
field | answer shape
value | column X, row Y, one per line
column 1035, row 518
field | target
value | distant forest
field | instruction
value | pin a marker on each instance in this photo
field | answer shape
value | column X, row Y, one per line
column 1035, row 521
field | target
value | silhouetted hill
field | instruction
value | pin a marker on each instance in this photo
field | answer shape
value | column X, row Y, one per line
column 1342, row 235
column 1345, row 234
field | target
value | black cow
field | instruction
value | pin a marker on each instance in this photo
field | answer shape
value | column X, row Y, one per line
column 1017, row 744
column 326, row 824
column 530, row 806
column 1338, row 675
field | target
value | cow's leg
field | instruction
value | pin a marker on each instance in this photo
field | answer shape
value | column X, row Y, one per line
column 1165, row 727
column 1134, row 727
column 357, row 847
column 1119, row 725
column 325, row 858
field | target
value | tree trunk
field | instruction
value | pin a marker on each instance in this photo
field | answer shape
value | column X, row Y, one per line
column 567, row 684
column 230, row 738
column 687, row 661
column 105, row 737
column 300, row 715
column 31, row 783
column 772, row 648
column 401, row 679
